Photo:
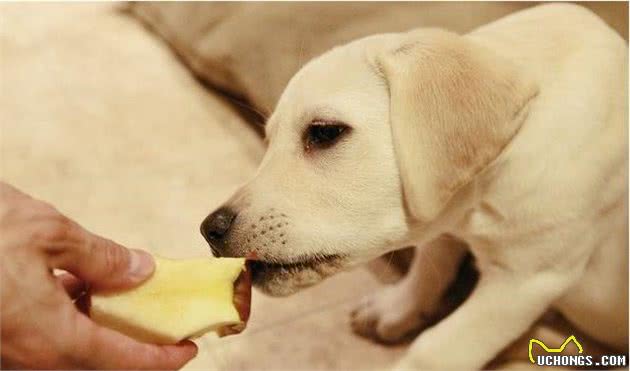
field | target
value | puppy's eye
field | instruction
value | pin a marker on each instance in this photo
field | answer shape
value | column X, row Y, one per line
column 323, row 135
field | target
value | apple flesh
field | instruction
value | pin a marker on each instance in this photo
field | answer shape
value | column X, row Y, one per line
column 183, row 299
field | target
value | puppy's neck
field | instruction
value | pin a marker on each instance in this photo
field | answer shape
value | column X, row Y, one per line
column 450, row 219
column 466, row 216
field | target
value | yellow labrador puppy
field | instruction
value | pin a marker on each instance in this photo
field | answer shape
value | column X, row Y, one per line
column 511, row 139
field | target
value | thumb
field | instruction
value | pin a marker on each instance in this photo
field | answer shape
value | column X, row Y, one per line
column 102, row 263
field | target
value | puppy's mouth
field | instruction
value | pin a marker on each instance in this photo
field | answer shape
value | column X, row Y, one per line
column 295, row 273
column 295, row 265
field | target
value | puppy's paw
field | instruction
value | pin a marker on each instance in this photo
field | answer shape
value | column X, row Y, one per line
column 389, row 315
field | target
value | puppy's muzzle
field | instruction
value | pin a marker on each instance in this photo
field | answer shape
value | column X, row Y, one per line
column 216, row 227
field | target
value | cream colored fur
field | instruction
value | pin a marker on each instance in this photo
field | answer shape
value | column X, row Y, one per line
column 454, row 106
column 511, row 140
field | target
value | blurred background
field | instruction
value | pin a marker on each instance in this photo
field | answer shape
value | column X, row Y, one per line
column 138, row 119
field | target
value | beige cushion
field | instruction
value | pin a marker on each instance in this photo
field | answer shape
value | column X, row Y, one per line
column 252, row 49
column 98, row 118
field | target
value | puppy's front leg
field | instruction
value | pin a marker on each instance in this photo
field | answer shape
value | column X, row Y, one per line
column 407, row 305
column 502, row 306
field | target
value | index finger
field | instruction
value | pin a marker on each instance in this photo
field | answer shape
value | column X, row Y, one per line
column 101, row 262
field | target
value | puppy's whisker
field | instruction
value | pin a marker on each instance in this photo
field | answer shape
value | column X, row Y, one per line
column 389, row 262
column 300, row 59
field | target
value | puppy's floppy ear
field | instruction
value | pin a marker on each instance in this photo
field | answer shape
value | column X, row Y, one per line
column 454, row 106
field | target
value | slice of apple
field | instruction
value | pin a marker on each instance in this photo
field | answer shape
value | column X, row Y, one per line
column 183, row 299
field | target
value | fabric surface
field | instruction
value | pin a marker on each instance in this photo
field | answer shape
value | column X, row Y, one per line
column 250, row 50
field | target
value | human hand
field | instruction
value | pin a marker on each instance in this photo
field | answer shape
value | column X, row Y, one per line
column 41, row 326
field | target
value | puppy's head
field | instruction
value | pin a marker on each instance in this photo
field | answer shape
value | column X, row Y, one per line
column 368, row 141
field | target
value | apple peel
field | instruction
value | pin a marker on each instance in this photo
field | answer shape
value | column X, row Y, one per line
column 183, row 299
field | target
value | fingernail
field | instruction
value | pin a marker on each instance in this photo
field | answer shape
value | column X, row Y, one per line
column 141, row 265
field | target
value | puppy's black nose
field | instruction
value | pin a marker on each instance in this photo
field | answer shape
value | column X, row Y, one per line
column 215, row 228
